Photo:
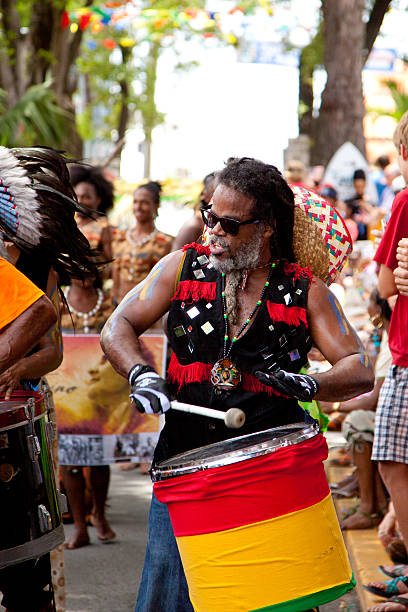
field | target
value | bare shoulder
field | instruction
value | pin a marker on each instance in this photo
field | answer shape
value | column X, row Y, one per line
column 317, row 291
column 150, row 299
column 159, row 283
column 171, row 263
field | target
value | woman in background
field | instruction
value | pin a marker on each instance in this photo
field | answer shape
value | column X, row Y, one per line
column 89, row 307
column 94, row 191
column 137, row 250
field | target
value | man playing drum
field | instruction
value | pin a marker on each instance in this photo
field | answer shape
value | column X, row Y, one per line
column 242, row 316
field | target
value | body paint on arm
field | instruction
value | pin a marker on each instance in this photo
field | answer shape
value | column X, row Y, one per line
column 346, row 329
column 144, row 290
column 364, row 360
column 343, row 323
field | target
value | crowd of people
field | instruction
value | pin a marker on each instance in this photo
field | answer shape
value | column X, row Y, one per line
column 239, row 253
column 374, row 423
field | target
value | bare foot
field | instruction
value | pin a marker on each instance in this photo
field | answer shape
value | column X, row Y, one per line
column 78, row 539
column 360, row 520
column 396, row 604
column 103, row 529
column 387, row 529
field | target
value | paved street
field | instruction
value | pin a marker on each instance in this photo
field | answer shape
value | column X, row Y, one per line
column 105, row 577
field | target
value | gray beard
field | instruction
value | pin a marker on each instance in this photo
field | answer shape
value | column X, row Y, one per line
column 246, row 258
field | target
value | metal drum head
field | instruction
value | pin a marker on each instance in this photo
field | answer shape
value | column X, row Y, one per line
column 234, row 450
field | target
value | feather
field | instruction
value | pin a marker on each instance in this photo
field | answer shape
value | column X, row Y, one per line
column 37, row 210
column 25, row 209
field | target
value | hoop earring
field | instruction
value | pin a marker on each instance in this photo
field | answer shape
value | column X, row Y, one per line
column 377, row 321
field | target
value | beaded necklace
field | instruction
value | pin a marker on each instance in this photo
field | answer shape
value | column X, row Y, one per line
column 134, row 253
column 90, row 313
column 224, row 374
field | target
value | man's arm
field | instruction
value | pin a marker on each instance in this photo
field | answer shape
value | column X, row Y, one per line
column 139, row 309
column 19, row 336
column 48, row 356
column 386, row 282
column 352, row 373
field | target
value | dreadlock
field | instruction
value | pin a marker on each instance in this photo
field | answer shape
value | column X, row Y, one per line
column 273, row 198
column 37, row 210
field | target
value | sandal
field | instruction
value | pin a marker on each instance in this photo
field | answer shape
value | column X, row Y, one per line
column 403, row 601
column 368, row 521
column 391, row 589
column 351, row 511
column 396, row 572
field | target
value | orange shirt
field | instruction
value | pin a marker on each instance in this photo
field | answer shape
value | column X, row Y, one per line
column 17, row 293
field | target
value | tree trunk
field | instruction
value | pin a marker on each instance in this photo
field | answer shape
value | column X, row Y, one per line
column 342, row 108
column 374, row 24
column 124, row 97
column 305, row 95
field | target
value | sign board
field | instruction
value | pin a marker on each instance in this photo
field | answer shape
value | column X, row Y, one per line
column 97, row 423
column 381, row 60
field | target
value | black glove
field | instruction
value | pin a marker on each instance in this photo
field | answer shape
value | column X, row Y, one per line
column 148, row 391
column 300, row 386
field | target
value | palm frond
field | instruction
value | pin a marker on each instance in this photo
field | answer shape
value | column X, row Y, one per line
column 35, row 119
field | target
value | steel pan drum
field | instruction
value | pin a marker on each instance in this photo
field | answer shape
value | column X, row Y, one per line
column 255, row 523
column 30, row 518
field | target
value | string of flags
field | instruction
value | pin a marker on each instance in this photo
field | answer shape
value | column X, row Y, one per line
column 124, row 15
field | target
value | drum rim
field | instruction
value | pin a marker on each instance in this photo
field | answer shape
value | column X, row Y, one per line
column 19, row 400
column 164, row 472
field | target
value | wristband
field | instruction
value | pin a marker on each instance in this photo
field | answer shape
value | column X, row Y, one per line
column 136, row 370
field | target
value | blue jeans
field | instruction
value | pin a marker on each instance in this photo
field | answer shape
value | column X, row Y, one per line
column 163, row 587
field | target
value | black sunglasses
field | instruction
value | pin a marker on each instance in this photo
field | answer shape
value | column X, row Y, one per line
column 230, row 226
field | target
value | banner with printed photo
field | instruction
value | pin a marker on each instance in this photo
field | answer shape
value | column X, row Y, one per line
column 97, row 423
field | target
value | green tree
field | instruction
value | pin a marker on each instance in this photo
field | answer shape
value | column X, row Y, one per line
column 36, row 77
column 123, row 79
column 35, row 118
column 400, row 99
column 346, row 35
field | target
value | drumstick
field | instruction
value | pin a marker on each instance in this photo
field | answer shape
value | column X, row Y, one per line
column 233, row 418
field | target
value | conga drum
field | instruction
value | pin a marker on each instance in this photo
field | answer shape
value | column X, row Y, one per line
column 255, row 523
column 30, row 518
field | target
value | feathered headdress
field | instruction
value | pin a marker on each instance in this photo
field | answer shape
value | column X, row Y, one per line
column 37, row 210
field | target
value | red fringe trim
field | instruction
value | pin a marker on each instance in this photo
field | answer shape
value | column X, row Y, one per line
column 185, row 374
column 291, row 315
column 195, row 290
column 200, row 248
column 296, row 271
column 199, row 372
